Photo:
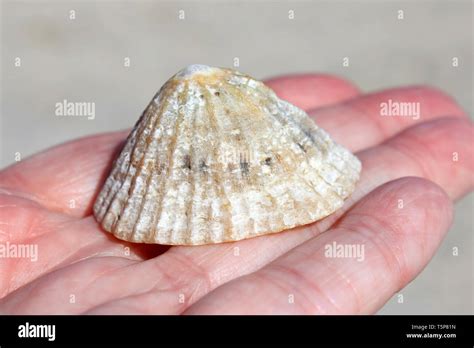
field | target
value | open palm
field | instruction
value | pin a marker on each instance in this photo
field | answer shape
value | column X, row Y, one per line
column 400, row 211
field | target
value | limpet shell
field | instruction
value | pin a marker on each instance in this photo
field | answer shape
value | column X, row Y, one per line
column 218, row 157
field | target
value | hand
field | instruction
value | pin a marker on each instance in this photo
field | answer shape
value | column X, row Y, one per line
column 399, row 213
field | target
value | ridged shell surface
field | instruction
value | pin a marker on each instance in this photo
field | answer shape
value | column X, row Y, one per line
column 217, row 157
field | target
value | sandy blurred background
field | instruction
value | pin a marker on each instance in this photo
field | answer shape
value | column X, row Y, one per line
column 82, row 59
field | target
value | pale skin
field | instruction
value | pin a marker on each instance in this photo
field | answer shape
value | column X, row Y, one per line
column 401, row 209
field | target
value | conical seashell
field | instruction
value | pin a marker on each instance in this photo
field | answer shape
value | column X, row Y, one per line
column 216, row 157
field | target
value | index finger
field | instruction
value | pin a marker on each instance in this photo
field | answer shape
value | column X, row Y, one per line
column 389, row 246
